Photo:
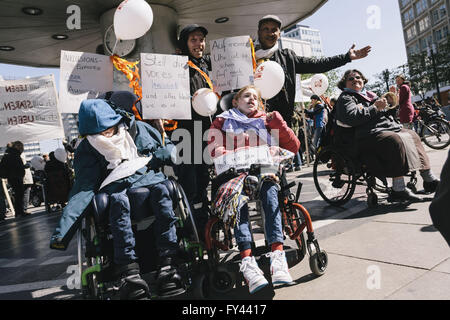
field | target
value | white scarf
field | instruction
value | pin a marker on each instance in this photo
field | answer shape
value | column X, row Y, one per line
column 264, row 54
column 115, row 149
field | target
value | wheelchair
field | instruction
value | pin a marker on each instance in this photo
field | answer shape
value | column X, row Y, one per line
column 224, row 269
column 339, row 169
column 95, row 247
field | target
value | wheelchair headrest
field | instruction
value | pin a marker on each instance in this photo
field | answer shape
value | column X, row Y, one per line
column 226, row 101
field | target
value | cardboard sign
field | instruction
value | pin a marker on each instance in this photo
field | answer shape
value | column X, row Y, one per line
column 165, row 86
column 29, row 111
column 231, row 63
column 82, row 76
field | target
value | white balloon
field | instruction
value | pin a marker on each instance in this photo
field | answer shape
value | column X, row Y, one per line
column 319, row 84
column 269, row 78
column 204, row 102
column 132, row 19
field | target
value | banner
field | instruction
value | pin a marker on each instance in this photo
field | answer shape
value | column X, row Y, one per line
column 28, row 110
column 165, row 86
column 231, row 63
column 82, row 76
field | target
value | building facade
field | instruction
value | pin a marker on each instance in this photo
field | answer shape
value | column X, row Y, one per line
column 425, row 22
column 308, row 34
column 426, row 26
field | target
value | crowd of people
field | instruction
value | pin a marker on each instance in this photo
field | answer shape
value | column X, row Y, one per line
column 112, row 138
column 20, row 176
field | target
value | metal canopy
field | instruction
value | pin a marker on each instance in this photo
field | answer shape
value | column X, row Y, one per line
column 31, row 35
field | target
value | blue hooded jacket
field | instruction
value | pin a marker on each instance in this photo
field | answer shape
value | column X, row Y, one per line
column 91, row 167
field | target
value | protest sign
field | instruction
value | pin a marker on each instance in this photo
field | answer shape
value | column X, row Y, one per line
column 231, row 63
column 165, row 86
column 28, row 110
column 82, row 76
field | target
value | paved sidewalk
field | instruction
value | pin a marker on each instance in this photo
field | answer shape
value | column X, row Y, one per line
column 392, row 252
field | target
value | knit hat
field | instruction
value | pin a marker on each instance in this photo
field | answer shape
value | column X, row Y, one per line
column 184, row 35
column 61, row 155
column 95, row 116
column 123, row 99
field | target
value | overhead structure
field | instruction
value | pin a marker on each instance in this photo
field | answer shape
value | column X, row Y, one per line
column 33, row 33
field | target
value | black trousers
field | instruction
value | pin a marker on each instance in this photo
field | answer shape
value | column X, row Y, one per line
column 18, row 189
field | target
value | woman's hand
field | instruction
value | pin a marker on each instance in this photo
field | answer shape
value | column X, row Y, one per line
column 269, row 116
column 381, row 104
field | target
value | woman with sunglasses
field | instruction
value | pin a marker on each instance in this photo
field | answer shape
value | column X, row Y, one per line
column 386, row 148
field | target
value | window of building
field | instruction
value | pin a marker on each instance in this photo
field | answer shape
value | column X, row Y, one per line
column 408, row 16
column 424, row 24
column 404, row 3
column 411, row 32
column 421, row 5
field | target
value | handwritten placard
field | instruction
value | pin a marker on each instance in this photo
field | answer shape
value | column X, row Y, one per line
column 165, row 86
column 243, row 158
column 29, row 111
column 231, row 63
column 82, row 76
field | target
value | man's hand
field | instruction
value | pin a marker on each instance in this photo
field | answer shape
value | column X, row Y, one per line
column 359, row 54
column 381, row 104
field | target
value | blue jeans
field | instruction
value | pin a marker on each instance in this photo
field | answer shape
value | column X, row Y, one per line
column 164, row 225
column 273, row 224
column 317, row 135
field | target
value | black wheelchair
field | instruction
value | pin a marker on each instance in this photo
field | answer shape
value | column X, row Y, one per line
column 224, row 268
column 339, row 169
column 95, row 248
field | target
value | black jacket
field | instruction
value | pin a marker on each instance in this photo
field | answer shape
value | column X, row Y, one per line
column 292, row 64
column 197, row 82
column 12, row 165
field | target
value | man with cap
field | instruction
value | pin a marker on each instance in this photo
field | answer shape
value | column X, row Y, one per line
column 266, row 48
column 193, row 173
column 106, row 146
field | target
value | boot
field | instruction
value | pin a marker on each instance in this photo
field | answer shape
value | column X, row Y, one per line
column 169, row 282
column 132, row 286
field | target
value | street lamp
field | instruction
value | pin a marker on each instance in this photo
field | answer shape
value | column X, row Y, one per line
column 431, row 52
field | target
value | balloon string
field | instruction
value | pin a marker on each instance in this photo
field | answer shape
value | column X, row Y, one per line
column 114, row 48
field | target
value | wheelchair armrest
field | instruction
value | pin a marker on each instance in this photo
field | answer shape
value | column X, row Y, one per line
column 100, row 208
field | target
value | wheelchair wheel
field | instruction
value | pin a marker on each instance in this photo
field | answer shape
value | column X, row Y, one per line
column 200, row 286
column 372, row 200
column 318, row 262
column 334, row 176
column 91, row 288
column 294, row 224
column 222, row 280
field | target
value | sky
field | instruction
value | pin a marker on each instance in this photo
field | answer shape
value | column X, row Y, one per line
column 344, row 22
column 341, row 23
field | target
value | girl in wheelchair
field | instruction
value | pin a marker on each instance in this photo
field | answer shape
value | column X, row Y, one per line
column 244, row 126
column 110, row 160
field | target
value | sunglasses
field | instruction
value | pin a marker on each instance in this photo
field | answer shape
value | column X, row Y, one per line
column 353, row 78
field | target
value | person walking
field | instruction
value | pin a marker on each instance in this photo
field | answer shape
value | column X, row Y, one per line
column 406, row 109
column 14, row 169
column 27, row 184
column 319, row 113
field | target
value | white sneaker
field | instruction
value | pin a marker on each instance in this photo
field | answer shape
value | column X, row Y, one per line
column 253, row 275
column 279, row 268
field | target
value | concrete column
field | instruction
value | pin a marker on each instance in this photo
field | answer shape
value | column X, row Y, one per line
column 161, row 38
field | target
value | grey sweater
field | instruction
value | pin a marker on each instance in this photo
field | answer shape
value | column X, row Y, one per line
column 355, row 111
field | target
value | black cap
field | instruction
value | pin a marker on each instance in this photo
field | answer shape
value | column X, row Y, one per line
column 270, row 17
column 315, row 97
column 184, row 34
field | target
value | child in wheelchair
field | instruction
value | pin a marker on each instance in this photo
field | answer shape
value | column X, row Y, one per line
column 110, row 160
column 246, row 126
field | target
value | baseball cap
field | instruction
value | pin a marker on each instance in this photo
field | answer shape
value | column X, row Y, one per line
column 269, row 17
